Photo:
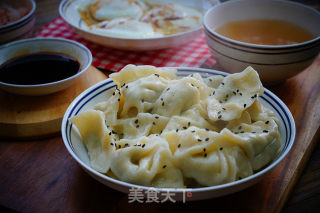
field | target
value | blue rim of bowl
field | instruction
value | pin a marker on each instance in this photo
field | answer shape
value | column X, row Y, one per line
column 86, row 96
column 65, row 3
column 83, row 69
column 23, row 19
column 258, row 46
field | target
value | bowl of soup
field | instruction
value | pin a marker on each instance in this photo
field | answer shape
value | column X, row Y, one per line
column 278, row 38
column 41, row 66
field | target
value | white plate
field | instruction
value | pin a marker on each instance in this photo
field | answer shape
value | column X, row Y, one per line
column 103, row 90
column 69, row 12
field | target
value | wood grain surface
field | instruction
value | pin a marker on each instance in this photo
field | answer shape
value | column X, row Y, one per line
column 41, row 176
column 26, row 117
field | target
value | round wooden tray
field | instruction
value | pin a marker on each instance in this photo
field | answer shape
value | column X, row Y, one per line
column 26, row 117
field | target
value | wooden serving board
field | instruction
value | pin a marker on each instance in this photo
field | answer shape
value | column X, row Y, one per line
column 27, row 117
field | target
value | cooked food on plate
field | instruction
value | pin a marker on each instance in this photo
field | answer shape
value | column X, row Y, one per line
column 138, row 19
column 163, row 131
column 11, row 11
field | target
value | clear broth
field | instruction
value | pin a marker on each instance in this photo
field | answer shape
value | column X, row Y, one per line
column 265, row 32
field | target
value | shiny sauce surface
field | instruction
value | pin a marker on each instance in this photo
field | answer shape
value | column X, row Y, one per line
column 265, row 32
column 38, row 68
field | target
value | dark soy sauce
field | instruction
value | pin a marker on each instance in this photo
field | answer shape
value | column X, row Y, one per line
column 38, row 68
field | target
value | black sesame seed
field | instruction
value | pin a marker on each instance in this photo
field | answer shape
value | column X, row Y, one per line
column 143, row 145
column 179, row 145
column 127, row 87
column 220, row 102
column 118, row 99
column 220, row 116
column 193, row 131
column 119, row 146
column 236, row 132
column 206, row 139
column 126, row 144
column 239, row 178
column 234, row 92
column 253, row 132
column 221, row 148
column 111, row 144
column 219, row 112
column 210, row 79
column 225, row 100
column 227, row 96
column 244, row 105
column 161, row 99
column 213, row 92
column 192, row 85
column 157, row 75
column 240, row 93
column 204, row 149
column 164, row 166
column 266, row 131
column 177, row 130
column 189, row 123
column 242, row 132
column 113, row 132
column 161, row 132
column 207, row 129
column 136, row 121
column 109, row 133
column 205, row 155
column 154, row 123
column 199, row 140
column 237, row 90
column 162, row 104
column 168, row 88
column 224, row 108
column 222, row 83
column 240, row 127
column 137, row 126
column 266, row 122
column 113, row 93
column 184, row 127
column 142, row 100
column 157, row 117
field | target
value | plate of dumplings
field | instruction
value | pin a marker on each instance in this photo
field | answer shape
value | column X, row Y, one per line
column 189, row 131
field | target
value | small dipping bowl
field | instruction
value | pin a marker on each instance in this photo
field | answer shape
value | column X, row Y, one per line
column 21, row 28
column 274, row 63
column 73, row 49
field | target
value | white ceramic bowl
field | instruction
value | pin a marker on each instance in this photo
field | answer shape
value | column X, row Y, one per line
column 101, row 91
column 273, row 63
column 28, row 46
column 21, row 28
column 69, row 12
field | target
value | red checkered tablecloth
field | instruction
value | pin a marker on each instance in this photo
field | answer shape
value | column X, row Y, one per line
column 193, row 54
